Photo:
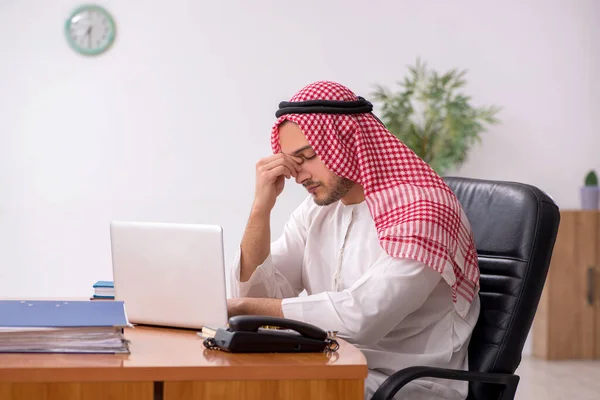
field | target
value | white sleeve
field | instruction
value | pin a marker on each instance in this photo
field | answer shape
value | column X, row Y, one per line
column 373, row 306
column 280, row 275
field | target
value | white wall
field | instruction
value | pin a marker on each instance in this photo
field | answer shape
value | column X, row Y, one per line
column 167, row 125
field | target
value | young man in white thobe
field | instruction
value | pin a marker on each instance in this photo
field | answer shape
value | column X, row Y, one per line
column 381, row 245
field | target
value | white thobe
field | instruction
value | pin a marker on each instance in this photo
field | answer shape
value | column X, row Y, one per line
column 398, row 312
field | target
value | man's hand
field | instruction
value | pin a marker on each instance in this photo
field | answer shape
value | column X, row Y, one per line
column 254, row 306
column 270, row 176
column 271, row 173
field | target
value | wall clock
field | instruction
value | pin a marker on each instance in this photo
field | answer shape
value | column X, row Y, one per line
column 90, row 30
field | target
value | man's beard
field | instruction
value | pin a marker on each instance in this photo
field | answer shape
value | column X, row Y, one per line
column 337, row 189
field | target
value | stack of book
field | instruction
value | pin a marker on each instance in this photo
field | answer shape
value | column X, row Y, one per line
column 44, row 326
column 104, row 290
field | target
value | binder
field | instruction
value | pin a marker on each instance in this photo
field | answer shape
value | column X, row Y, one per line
column 63, row 326
column 62, row 314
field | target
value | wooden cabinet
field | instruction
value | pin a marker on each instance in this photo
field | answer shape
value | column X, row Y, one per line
column 567, row 323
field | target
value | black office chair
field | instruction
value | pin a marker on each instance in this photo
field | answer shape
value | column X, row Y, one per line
column 515, row 227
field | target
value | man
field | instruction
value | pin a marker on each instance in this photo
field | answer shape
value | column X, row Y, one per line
column 381, row 245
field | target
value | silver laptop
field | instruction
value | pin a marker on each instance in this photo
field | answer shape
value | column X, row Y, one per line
column 170, row 274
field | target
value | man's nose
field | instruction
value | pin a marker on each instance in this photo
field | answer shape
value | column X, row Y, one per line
column 302, row 175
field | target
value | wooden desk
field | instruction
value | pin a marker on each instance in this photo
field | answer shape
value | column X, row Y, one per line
column 167, row 364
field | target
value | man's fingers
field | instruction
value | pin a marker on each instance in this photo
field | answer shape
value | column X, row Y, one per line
column 294, row 162
column 280, row 158
column 292, row 166
column 273, row 173
column 297, row 161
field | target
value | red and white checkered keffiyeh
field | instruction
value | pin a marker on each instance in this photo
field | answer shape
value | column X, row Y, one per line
column 416, row 214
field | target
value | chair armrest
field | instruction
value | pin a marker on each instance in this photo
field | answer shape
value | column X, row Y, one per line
column 396, row 381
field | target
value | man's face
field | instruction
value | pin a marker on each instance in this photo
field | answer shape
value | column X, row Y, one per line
column 325, row 186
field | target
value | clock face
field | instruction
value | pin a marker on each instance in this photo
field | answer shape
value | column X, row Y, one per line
column 90, row 30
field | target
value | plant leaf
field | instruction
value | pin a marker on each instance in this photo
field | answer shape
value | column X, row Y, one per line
column 430, row 116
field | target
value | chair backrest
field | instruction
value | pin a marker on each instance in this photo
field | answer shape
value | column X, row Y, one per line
column 515, row 227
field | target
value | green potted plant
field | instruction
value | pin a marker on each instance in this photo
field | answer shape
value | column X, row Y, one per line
column 589, row 192
column 432, row 117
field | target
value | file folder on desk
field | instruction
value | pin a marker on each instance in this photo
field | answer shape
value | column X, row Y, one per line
column 62, row 327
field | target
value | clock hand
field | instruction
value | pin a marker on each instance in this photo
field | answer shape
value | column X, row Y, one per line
column 89, row 35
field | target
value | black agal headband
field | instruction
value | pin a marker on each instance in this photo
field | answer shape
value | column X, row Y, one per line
column 360, row 106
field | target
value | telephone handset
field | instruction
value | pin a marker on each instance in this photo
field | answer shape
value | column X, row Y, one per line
column 264, row 334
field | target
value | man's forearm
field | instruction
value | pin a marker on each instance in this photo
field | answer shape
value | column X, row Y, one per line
column 256, row 242
column 254, row 306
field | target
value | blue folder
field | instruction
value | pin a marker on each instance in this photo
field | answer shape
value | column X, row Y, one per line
column 62, row 314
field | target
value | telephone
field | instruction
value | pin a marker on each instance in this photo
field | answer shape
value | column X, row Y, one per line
column 264, row 334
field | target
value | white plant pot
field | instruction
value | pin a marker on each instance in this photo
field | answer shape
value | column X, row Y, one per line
column 590, row 196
